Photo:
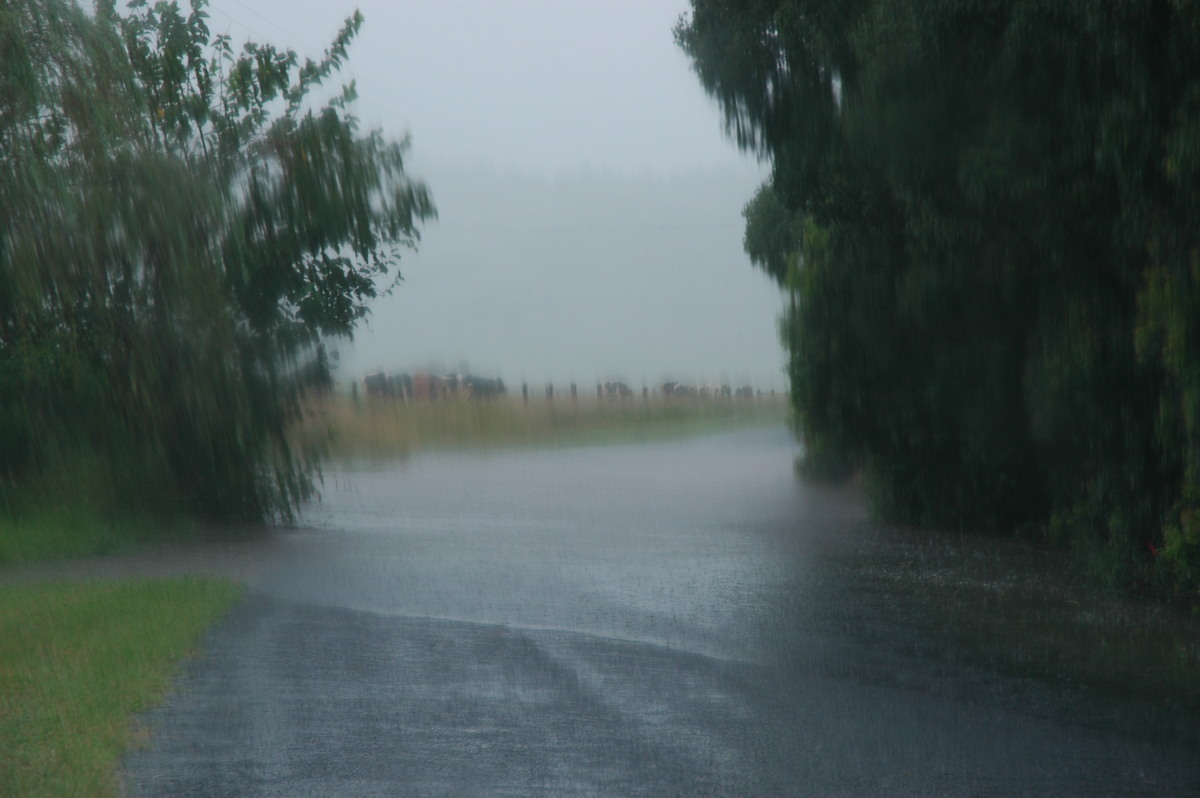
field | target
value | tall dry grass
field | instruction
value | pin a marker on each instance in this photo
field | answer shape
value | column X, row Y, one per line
column 342, row 427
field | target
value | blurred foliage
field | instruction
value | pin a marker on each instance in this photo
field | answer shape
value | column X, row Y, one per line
column 987, row 217
column 184, row 225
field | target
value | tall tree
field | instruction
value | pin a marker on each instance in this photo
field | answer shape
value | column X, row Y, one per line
column 185, row 224
column 993, row 285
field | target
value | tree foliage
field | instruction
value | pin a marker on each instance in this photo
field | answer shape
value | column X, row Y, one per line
column 986, row 216
column 185, row 223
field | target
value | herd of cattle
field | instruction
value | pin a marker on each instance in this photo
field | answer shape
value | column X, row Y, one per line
column 414, row 387
column 429, row 387
column 679, row 391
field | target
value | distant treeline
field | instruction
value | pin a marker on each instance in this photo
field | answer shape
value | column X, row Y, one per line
column 183, row 224
column 986, row 217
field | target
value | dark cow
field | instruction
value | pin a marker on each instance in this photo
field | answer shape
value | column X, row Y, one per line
column 401, row 386
column 677, row 390
column 442, row 386
column 376, row 384
column 483, row 387
column 398, row 386
column 617, row 390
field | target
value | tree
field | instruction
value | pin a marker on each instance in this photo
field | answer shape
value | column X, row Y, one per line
column 186, row 224
column 993, row 289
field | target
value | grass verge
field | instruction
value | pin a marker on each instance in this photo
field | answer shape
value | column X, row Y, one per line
column 77, row 661
column 60, row 532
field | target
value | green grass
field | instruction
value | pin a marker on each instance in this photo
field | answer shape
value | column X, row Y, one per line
column 381, row 428
column 77, row 661
column 78, row 507
column 65, row 531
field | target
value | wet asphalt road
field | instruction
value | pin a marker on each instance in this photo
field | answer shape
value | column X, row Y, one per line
column 662, row 619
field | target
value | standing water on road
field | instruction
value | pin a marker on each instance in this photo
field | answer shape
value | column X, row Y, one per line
column 676, row 545
column 674, row 618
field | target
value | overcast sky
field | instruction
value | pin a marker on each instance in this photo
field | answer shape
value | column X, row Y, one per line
column 590, row 204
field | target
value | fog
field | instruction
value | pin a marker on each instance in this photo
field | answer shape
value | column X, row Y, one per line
column 590, row 204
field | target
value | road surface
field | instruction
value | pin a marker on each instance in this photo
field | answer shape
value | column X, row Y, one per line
column 663, row 619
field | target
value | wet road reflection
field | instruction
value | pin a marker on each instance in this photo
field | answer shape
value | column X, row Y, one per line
column 674, row 618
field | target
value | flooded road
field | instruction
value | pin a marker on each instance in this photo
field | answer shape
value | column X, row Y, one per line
column 677, row 618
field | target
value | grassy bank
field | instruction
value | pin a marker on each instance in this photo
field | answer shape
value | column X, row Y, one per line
column 66, row 531
column 77, row 661
column 81, row 505
column 380, row 428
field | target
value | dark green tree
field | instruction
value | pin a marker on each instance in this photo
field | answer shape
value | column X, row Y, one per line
column 992, row 305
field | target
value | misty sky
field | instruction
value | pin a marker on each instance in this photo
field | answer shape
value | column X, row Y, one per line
column 590, row 204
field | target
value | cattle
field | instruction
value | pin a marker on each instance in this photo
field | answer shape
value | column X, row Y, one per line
column 421, row 388
column 429, row 387
column 714, row 391
column 376, row 384
column 400, row 386
column 443, row 386
column 617, row 390
column 711, row 391
column 677, row 390
column 482, row 387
